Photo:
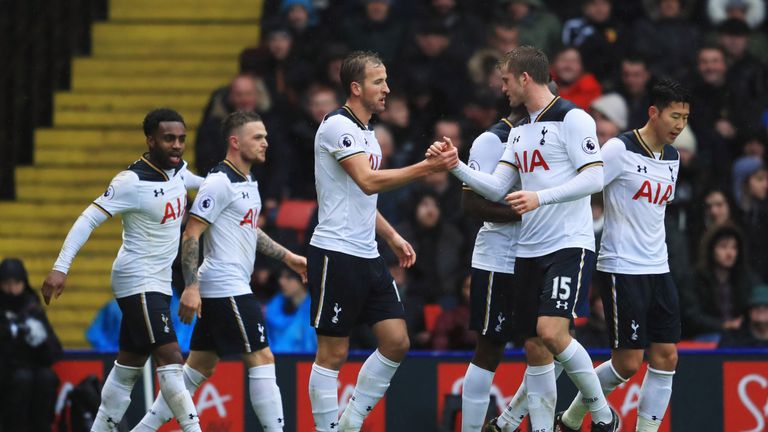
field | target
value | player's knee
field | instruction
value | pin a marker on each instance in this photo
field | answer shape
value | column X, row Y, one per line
column 488, row 354
column 664, row 359
column 627, row 367
column 550, row 337
column 264, row 357
column 396, row 347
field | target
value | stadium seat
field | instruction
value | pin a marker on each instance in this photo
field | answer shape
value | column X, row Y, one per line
column 295, row 215
column 431, row 313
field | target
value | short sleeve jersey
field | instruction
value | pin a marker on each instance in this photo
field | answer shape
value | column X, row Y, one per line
column 496, row 243
column 347, row 216
column 552, row 148
column 638, row 186
column 151, row 202
column 229, row 202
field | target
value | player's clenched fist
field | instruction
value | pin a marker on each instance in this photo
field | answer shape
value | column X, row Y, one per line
column 523, row 201
column 442, row 155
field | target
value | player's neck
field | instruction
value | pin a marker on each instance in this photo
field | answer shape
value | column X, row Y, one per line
column 238, row 162
column 651, row 139
column 539, row 97
column 357, row 108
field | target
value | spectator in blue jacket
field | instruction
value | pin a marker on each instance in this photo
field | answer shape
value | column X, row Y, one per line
column 288, row 327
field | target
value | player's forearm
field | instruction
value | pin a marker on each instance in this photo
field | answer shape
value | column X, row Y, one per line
column 475, row 206
column 79, row 233
column 190, row 252
column 586, row 183
column 383, row 228
column 388, row 179
column 491, row 186
column 265, row 245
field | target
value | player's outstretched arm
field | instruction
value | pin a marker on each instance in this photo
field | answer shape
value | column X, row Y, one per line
column 404, row 251
column 190, row 303
column 273, row 249
column 54, row 284
column 491, row 186
column 587, row 182
column 372, row 181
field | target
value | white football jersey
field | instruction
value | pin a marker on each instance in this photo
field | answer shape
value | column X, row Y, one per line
column 229, row 202
column 638, row 186
column 548, row 151
column 152, row 202
column 496, row 243
column 347, row 216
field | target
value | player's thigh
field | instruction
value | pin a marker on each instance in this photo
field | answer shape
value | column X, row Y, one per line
column 567, row 276
column 382, row 302
column 626, row 302
column 332, row 351
column 146, row 323
column 338, row 286
column 664, row 311
column 529, row 276
column 492, row 305
column 258, row 358
column 230, row 325
column 203, row 361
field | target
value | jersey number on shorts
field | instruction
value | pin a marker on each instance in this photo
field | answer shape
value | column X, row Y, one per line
column 561, row 287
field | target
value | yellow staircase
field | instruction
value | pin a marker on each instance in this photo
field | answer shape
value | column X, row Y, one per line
column 148, row 54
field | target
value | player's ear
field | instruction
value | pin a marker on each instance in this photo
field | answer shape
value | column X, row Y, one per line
column 357, row 89
column 232, row 142
column 653, row 111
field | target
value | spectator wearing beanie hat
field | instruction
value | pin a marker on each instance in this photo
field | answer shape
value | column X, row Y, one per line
column 750, row 190
column 753, row 332
column 610, row 113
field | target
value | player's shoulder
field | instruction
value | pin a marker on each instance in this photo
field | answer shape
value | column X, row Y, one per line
column 557, row 110
column 500, row 129
column 670, row 153
column 147, row 171
column 632, row 142
column 343, row 119
column 225, row 173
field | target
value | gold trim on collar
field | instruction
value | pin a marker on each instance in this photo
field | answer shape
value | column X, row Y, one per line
column 541, row 114
column 645, row 146
column 509, row 123
column 357, row 120
column 231, row 165
column 154, row 167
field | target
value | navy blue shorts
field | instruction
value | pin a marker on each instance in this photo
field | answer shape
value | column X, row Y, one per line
column 491, row 304
column 640, row 309
column 146, row 322
column 347, row 290
column 556, row 284
column 230, row 325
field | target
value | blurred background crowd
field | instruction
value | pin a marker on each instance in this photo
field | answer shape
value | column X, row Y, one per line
column 441, row 60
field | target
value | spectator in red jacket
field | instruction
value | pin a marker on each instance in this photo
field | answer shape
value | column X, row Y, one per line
column 573, row 82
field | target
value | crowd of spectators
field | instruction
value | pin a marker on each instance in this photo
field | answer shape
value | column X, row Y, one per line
column 441, row 57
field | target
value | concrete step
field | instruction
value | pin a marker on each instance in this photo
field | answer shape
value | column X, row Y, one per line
column 154, row 67
column 71, row 336
column 120, row 32
column 66, row 138
column 23, row 246
column 122, row 120
column 53, row 229
column 32, row 175
column 148, row 84
column 84, row 266
column 194, row 102
column 42, row 211
column 247, row 11
column 80, row 300
column 57, row 194
column 209, row 50
column 96, row 156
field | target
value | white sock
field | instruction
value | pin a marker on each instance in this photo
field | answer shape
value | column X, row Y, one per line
column 115, row 397
column 372, row 382
column 475, row 397
column 609, row 380
column 578, row 365
column 323, row 394
column 160, row 413
column 265, row 397
column 541, row 389
column 517, row 409
column 654, row 399
column 171, row 378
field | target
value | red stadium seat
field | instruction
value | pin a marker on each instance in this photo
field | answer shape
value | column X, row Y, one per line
column 696, row 345
column 295, row 215
column 431, row 313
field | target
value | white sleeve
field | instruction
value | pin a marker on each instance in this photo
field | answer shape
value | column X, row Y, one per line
column 612, row 153
column 485, row 152
column 340, row 137
column 581, row 139
column 91, row 218
column 121, row 195
column 586, row 183
column 191, row 180
column 214, row 196
column 492, row 187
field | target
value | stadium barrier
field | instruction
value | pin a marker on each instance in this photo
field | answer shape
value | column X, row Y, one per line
column 713, row 390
